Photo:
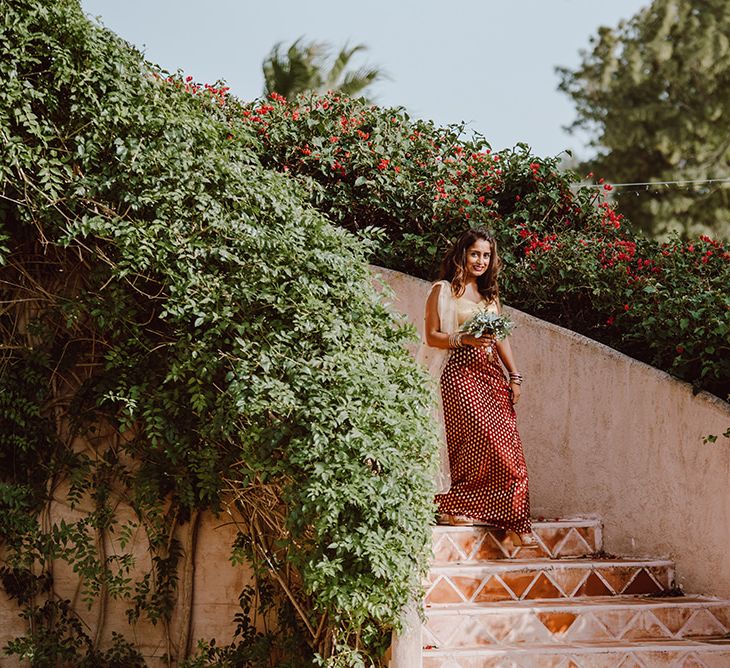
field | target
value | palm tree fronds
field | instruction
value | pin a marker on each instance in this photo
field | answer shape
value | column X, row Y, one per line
column 303, row 68
column 357, row 81
column 340, row 64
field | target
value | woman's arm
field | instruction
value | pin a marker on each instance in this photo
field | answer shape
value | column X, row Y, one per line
column 433, row 334
column 505, row 354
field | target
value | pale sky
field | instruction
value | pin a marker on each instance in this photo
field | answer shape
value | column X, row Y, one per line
column 487, row 62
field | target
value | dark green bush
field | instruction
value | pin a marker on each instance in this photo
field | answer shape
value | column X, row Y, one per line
column 189, row 300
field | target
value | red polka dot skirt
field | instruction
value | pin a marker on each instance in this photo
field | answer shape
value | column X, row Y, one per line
column 488, row 471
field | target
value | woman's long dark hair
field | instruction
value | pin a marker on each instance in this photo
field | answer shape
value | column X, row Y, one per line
column 453, row 266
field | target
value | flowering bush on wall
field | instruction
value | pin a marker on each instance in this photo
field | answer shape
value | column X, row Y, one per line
column 570, row 258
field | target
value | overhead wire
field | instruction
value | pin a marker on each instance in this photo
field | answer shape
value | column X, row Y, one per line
column 648, row 184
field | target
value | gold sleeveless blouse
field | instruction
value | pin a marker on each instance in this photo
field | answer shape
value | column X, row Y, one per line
column 466, row 308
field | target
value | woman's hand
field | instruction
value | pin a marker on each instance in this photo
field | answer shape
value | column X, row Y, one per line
column 516, row 390
column 474, row 342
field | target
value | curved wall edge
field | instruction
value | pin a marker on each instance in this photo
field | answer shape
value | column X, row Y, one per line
column 607, row 435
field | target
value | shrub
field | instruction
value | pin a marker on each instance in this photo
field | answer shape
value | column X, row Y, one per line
column 172, row 291
column 571, row 259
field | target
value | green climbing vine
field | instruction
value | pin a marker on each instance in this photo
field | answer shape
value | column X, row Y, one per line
column 183, row 334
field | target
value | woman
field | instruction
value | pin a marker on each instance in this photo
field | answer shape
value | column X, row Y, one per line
column 487, row 466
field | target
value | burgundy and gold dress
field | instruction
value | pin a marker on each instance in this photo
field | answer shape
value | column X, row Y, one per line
column 488, row 471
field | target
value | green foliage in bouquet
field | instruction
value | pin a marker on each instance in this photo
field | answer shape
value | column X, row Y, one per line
column 217, row 344
column 487, row 323
column 569, row 257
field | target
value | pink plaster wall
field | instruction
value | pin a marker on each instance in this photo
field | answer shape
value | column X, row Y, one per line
column 607, row 435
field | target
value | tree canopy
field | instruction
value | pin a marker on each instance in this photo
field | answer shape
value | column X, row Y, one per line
column 653, row 94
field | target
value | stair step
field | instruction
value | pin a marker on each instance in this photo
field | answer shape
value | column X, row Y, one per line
column 561, row 604
column 564, row 537
column 575, row 621
column 710, row 653
column 503, row 580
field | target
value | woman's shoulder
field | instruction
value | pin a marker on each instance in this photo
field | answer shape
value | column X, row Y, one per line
column 437, row 286
column 438, row 292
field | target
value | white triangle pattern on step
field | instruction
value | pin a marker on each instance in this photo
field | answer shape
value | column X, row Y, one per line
column 512, row 610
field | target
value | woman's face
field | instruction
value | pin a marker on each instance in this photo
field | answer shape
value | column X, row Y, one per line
column 477, row 258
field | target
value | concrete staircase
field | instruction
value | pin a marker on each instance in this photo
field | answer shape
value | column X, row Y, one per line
column 563, row 604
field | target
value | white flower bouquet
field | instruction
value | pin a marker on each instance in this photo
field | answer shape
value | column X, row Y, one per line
column 488, row 323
